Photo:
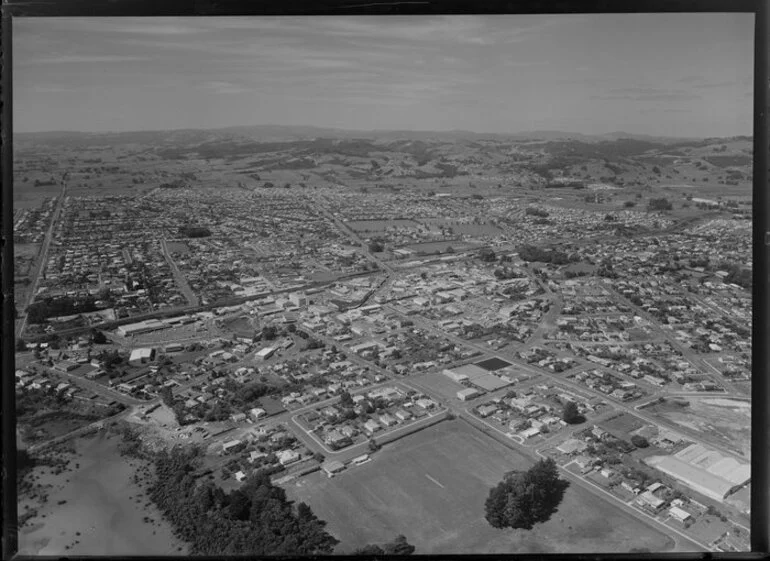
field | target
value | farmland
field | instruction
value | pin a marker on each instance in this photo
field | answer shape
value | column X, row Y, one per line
column 431, row 487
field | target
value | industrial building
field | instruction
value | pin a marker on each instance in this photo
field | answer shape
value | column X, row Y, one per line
column 468, row 393
column 141, row 327
column 477, row 376
column 141, row 356
column 708, row 472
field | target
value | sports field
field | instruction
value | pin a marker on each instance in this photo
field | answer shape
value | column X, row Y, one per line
column 431, row 487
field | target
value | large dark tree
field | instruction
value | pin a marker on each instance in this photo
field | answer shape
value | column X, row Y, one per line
column 570, row 414
column 98, row 337
column 398, row 546
column 346, row 400
column 523, row 499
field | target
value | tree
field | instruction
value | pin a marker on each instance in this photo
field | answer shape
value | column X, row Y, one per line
column 21, row 346
column 346, row 400
column 524, row 499
column 98, row 337
column 373, row 446
column 487, row 255
column 398, row 546
column 639, row 441
column 662, row 204
column 570, row 414
column 369, row 550
column 269, row 332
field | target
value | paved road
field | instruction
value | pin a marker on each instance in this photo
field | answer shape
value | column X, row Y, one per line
column 194, row 309
column 96, row 387
column 181, row 281
column 689, row 355
column 562, row 380
column 42, row 256
column 96, row 425
column 354, row 235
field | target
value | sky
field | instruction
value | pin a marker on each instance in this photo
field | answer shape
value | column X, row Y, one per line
column 660, row 74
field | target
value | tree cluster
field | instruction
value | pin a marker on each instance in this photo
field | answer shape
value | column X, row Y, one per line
column 39, row 312
column 399, row 546
column 571, row 415
column 487, row 255
column 660, row 204
column 523, row 499
column 195, row 231
column 532, row 253
column 376, row 246
column 256, row 519
column 532, row 211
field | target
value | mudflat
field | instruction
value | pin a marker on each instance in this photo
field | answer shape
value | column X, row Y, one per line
column 94, row 507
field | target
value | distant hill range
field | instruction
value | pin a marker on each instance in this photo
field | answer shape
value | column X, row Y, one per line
column 299, row 154
column 280, row 132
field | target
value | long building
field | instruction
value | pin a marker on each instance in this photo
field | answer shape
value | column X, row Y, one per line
column 706, row 471
column 141, row 327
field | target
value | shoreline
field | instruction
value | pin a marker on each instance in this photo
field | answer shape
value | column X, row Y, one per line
column 95, row 507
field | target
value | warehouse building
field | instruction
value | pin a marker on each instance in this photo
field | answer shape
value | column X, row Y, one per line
column 706, row 471
column 467, row 394
column 141, row 327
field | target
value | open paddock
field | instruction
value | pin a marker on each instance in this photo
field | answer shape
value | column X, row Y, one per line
column 431, row 487
column 622, row 425
column 178, row 247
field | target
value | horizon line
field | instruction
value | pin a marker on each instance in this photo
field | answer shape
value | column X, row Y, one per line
column 378, row 131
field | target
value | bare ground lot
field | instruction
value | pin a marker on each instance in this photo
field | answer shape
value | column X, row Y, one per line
column 431, row 487
column 723, row 421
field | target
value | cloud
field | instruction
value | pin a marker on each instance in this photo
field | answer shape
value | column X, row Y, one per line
column 723, row 84
column 52, row 88
column 665, row 110
column 647, row 94
column 224, row 87
column 82, row 59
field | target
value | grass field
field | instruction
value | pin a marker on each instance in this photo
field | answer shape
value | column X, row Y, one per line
column 622, row 425
column 431, row 487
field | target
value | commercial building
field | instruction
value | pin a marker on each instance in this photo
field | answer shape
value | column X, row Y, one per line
column 455, row 376
column 141, row 356
column 467, row 394
column 264, row 354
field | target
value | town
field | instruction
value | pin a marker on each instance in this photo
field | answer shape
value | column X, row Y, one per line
column 307, row 328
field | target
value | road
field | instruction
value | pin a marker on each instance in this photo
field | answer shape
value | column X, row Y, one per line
column 180, row 279
column 353, row 235
column 562, row 380
column 96, row 425
column 96, row 387
column 194, row 309
column 689, row 355
column 42, row 257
